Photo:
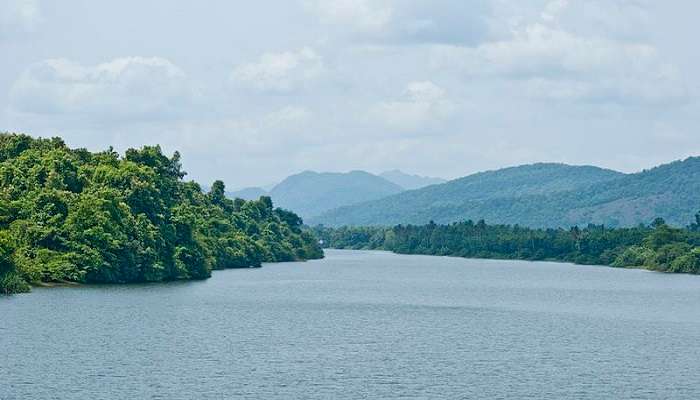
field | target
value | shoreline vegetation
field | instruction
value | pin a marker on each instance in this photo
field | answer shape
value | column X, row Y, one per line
column 655, row 247
column 71, row 215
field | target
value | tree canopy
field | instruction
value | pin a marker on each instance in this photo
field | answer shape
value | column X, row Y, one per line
column 658, row 246
column 74, row 215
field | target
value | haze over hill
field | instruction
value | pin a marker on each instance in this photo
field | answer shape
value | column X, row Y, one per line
column 408, row 181
column 312, row 193
column 540, row 195
column 249, row 193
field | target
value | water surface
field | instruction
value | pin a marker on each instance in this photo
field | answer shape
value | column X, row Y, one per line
column 361, row 325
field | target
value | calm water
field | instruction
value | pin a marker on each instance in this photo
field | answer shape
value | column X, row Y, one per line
column 361, row 325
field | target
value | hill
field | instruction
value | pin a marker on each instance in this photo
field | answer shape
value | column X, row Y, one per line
column 311, row 193
column 410, row 182
column 541, row 195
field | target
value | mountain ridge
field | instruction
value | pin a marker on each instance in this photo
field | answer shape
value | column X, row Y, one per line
column 540, row 195
column 366, row 186
column 312, row 193
column 409, row 181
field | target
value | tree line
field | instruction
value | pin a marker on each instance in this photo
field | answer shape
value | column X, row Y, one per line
column 657, row 246
column 80, row 216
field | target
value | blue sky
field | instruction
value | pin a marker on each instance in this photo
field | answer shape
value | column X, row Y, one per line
column 250, row 92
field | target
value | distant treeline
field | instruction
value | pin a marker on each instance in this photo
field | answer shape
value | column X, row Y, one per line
column 73, row 215
column 657, row 247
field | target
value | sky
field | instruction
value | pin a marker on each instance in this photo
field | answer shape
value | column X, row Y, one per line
column 251, row 92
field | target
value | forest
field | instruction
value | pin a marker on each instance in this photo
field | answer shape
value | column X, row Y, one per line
column 71, row 215
column 657, row 247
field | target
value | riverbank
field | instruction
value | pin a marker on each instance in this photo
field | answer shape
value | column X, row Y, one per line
column 658, row 247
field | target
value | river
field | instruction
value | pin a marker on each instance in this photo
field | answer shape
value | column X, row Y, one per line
column 361, row 324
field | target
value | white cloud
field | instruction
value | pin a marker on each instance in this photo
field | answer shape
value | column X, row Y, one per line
column 539, row 50
column 123, row 88
column 359, row 15
column 614, row 19
column 285, row 116
column 553, row 9
column 511, row 81
column 557, row 63
column 280, row 72
column 658, row 88
column 231, row 148
column 420, row 104
column 19, row 17
column 404, row 21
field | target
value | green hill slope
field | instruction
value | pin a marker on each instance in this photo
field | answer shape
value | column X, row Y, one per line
column 312, row 193
column 541, row 195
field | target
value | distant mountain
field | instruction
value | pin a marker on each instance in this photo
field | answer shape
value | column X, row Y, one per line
column 311, row 193
column 410, row 182
column 541, row 195
column 250, row 193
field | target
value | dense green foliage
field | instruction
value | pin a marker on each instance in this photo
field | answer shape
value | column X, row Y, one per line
column 312, row 193
column 72, row 215
column 657, row 247
column 540, row 195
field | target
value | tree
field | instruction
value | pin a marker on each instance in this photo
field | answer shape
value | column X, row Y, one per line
column 72, row 215
column 217, row 194
column 661, row 248
column 695, row 226
column 658, row 222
